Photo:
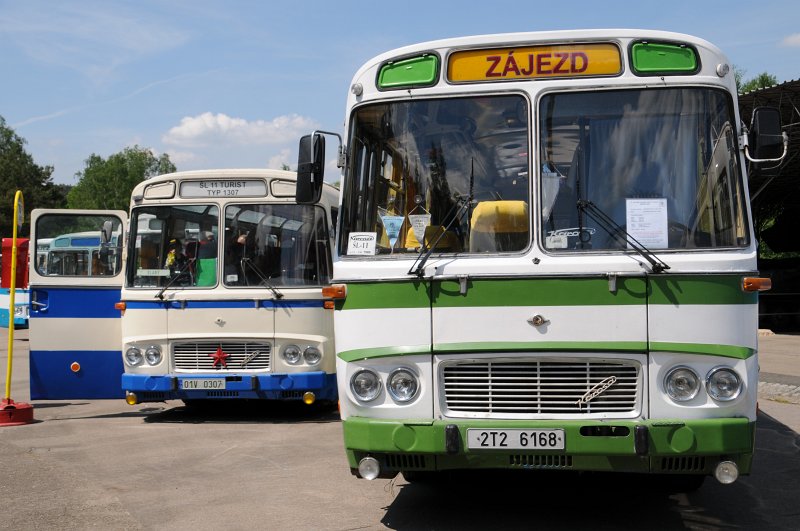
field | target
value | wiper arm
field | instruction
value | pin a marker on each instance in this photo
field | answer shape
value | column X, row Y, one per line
column 175, row 277
column 613, row 228
column 418, row 267
column 264, row 279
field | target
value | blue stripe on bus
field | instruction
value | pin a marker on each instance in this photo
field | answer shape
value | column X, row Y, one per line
column 190, row 304
column 51, row 377
column 80, row 303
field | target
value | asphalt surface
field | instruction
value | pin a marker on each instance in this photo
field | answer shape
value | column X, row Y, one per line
column 105, row 465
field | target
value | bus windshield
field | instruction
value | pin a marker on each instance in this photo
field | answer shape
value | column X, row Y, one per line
column 275, row 245
column 452, row 173
column 661, row 163
column 264, row 245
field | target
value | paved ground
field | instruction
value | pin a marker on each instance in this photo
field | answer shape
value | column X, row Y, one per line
column 105, row 465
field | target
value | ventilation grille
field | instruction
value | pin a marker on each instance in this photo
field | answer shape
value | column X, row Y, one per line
column 693, row 463
column 507, row 387
column 240, row 356
column 540, row 461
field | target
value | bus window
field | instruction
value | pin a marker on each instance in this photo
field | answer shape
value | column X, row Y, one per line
column 173, row 244
column 72, row 246
column 276, row 244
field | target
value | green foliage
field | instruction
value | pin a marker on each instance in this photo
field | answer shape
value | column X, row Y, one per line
column 762, row 80
column 107, row 183
column 19, row 172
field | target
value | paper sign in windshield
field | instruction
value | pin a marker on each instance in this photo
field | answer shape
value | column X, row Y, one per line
column 361, row 244
column 646, row 221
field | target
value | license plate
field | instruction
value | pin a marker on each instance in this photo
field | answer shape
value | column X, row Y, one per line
column 516, row 439
column 203, row 384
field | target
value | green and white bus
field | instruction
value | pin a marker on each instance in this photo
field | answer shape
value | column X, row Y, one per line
column 545, row 257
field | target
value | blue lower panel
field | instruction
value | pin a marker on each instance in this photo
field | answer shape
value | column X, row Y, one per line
column 265, row 386
column 52, row 377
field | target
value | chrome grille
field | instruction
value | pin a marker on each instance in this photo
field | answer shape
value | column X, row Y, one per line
column 526, row 387
column 241, row 356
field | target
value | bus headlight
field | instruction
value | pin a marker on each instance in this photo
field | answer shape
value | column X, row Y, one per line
column 133, row 357
column 312, row 355
column 682, row 384
column 292, row 354
column 722, row 384
column 402, row 385
column 152, row 355
column 366, row 385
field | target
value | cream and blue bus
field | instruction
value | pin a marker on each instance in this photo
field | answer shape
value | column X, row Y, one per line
column 545, row 257
column 217, row 293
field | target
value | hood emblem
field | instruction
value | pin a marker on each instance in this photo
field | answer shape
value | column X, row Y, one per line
column 596, row 391
column 220, row 358
column 250, row 357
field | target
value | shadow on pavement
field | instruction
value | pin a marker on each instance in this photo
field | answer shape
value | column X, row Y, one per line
column 767, row 499
column 244, row 411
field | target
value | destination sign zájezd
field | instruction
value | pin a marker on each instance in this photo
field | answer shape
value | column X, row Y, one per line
column 567, row 60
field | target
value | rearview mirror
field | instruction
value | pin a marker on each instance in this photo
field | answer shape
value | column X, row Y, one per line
column 105, row 232
column 766, row 136
column 310, row 169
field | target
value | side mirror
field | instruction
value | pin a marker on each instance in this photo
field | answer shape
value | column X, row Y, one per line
column 105, row 232
column 766, row 137
column 310, row 169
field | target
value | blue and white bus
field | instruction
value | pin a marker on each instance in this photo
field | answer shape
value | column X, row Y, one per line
column 218, row 292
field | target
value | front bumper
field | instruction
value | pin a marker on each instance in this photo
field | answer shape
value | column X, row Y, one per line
column 286, row 386
column 650, row 446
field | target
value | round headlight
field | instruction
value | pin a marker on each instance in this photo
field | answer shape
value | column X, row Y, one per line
column 292, row 354
column 366, row 385
column 682, row 384
column 312, row 355
column 402, row 385
column 152, row 355
column 722, row 384
column 133, row 356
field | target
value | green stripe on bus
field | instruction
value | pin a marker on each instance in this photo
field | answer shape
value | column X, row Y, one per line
column 699, row 289
column 670, row 290
column 376, row 295
column 383, row 352
column 727, row 351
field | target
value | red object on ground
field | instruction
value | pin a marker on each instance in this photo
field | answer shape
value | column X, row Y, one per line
column 15, row 413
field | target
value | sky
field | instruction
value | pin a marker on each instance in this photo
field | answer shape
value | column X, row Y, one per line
column 234, row 84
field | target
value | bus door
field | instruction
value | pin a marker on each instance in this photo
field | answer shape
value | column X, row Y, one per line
column 75, row 281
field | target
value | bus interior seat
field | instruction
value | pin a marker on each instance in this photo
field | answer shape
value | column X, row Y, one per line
column 499, row 226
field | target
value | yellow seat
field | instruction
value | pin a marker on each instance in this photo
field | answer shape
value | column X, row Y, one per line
column 448, row 242
column 499, row 226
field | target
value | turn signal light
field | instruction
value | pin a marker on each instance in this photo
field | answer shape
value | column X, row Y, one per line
column 756, row 284
column 335, row 291
column 131, row 398
column 121, row 306
column 75, row 366
column 309, row 398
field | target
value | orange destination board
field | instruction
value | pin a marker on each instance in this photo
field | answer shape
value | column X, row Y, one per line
column 565, row 60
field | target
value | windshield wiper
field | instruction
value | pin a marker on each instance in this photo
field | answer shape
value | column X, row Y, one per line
column 418, row 267
column 613, row 228
column 175, row 277
column 264, row 279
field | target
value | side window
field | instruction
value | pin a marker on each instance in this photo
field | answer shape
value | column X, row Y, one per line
column 83, row 245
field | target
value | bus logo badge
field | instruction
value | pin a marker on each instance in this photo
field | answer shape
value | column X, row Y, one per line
column 250, row 357
column 596, row 391
column 220, row 358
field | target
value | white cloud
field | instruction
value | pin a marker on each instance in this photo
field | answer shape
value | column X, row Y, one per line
column 792, row 40
column 210, row 129
column 284, row 157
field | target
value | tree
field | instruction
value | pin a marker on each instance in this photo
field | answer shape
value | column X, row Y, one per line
column 762, row 80
column 19, row 172
column 107, row 183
